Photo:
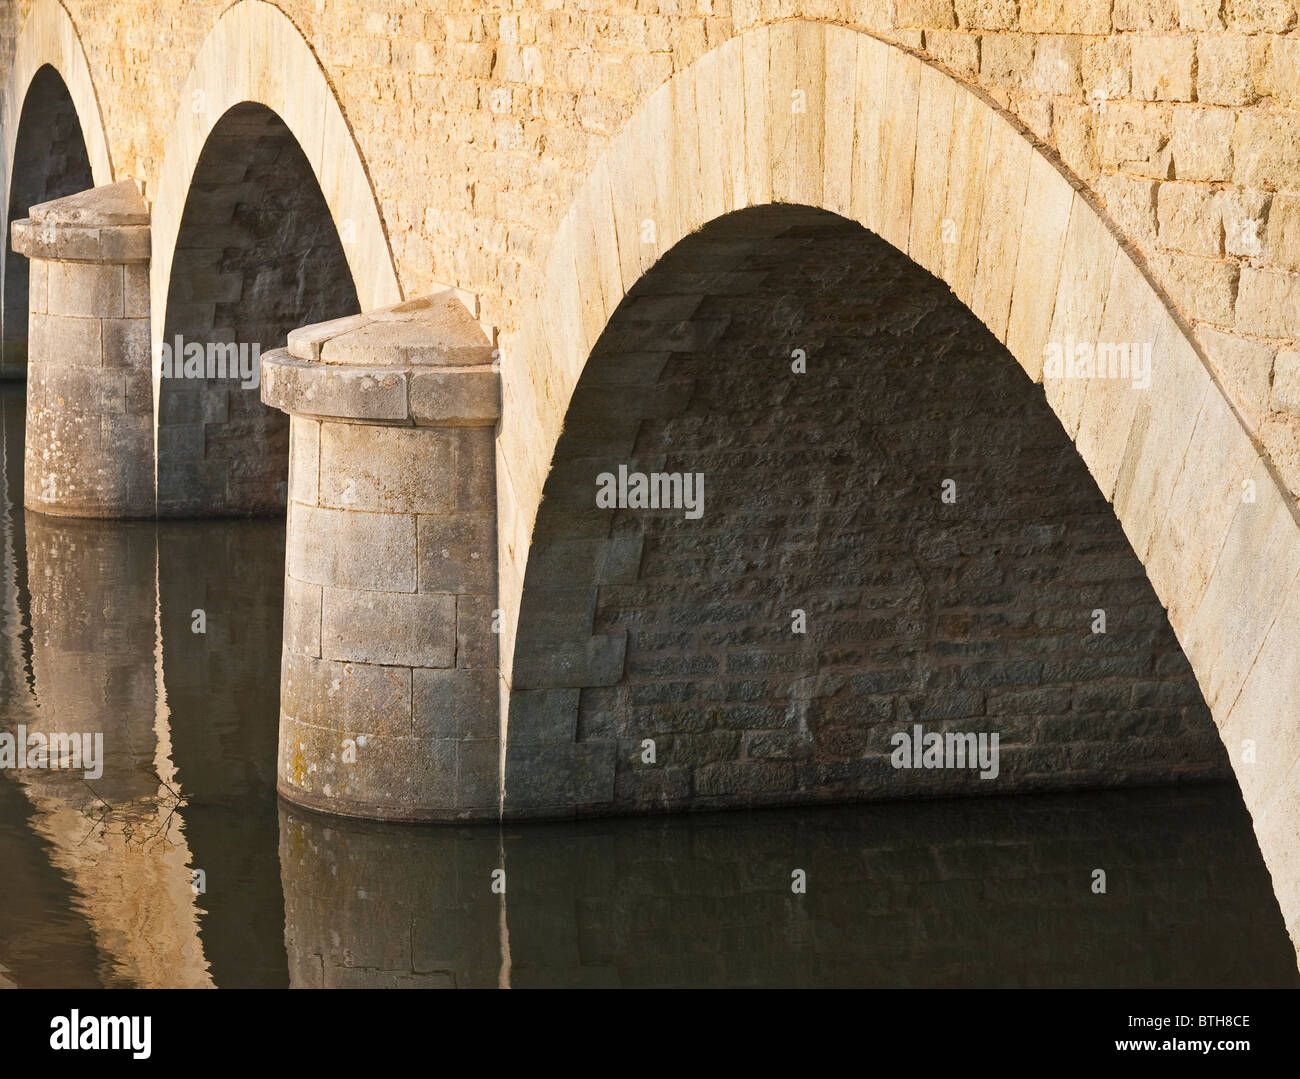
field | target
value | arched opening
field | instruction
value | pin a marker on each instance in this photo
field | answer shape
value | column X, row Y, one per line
column 50, row 162
column 257, row 255
column 766, row 644
column 900, row 536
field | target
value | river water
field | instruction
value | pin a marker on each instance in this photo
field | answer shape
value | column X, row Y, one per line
column 178, row 866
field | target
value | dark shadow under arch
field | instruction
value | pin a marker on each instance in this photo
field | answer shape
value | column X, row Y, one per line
column 823, row 495
column 257, row 255
column 50, row 162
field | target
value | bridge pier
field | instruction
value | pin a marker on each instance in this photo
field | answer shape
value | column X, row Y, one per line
column 89, row 450
column 389, row 685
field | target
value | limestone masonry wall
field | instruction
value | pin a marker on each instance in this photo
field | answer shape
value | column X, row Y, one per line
column 1180, row 115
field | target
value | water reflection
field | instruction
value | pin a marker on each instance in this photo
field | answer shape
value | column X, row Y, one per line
column 98, row 634
column 990, row 892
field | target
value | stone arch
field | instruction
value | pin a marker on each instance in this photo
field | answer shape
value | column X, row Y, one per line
column 820, row 115
column 255, row 54
column 256, row 256
column 49, row 36
column 50, row 71
column 49, row 162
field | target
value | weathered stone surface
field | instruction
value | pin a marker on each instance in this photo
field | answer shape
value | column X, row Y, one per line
column 1247, row 589
column 302, row 611
column 1190, row 219
column 89, row 445
column 388, row 628
column 1163, row 69
column 1269, row 302
column 457, row 554
column 304, row 389
column 1223, row 70
column 1284, row 232
column 390, row 470
column 456, row 703
column 1244, row 366
column 392, row 776
column 1265, row 152
column 352, row 549
column 358, row 698
column 455, row 396
column 1286, row 383
column 1202, row 143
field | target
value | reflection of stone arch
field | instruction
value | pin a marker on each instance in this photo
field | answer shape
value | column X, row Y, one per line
column 891, row 142
column 49, row 60
column 255, row 54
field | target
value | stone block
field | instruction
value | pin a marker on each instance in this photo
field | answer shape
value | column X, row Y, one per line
column 1202, row 143
column 1268, row 303
column 938, row 97
column 1286, row 383
column 1145, row 15
column 1283, row 235
column 456, row 703
column 352, row 698
column 926, row 14
column 1252, row 576
column 1058, row 65
column 307, row 389
column 1087, row 262
column 304, row 342
column 475, row 471
column 457, row 554
column 966, row 171
column 387, row 469
column 1245, row 217
column 595, row 661
column 541, row 716
column 135, row 291
column 85, row 290
column 302, row 611
column 1134, row 317
column 1063, row 17
column 1161, row 432
column 1243, row 367
column 351, row 549
column 477, row 631
column 478, row 773
column 1204, row 289
column 1223, row 70
column 1190, row 219
column 1164, row 69
column 1265, row 152
column 304, row 460
column 455, row 396
column 1006, row 177
column 1135, row 137
column 63, row 340
column 1271, row 689
column 1260, row 16
column 1200, row 14
column 1203, row 501
column 413, row 630
column 126, row 343
column 392, row 776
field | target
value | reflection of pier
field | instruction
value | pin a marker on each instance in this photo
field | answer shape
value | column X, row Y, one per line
column 96, row 668
column 920, row 894
column 370, row 905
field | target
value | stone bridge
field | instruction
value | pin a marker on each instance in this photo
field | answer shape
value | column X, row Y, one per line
column 977, row 320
